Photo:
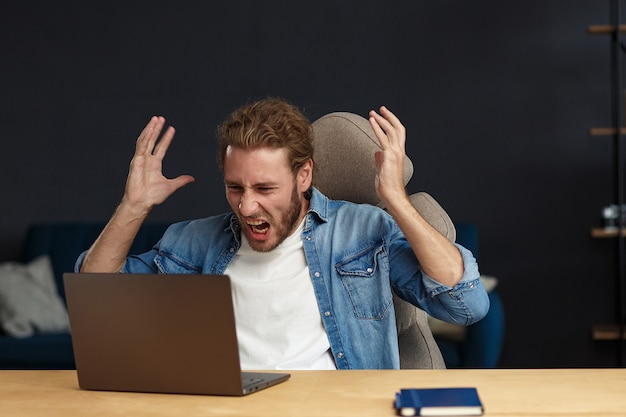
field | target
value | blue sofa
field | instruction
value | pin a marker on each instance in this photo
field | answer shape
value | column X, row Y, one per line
column 63, row 242
column 483, row 341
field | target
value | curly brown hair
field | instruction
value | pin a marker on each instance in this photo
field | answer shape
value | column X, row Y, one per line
column 271, row 122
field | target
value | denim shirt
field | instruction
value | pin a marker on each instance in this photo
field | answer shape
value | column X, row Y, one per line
column 356, row 255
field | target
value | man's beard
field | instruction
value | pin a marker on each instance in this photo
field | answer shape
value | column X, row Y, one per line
column 281, row 230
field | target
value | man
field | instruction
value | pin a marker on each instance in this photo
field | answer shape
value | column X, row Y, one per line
column 311, row 277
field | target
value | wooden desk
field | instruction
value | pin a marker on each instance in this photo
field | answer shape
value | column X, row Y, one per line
column 565, row 392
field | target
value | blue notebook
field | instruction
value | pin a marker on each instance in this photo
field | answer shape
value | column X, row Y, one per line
column 439, row 402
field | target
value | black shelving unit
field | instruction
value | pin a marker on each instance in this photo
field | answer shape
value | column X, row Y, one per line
column 616, row 331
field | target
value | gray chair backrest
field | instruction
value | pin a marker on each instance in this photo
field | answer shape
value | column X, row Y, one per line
column 345, row 169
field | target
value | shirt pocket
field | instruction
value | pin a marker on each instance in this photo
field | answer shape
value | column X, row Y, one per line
column 170, row 264
column 365, row 277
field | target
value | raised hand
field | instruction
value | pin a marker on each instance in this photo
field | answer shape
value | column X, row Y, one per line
column 439, row 258
column 146, row 185
column 390, row 161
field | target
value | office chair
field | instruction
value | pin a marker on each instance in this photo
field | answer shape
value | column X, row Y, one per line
column 345, row 170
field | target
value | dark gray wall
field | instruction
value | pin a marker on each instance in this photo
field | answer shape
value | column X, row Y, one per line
column 497, row 98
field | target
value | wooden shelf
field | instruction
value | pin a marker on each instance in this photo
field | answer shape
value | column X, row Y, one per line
column 605, row 131
column 604, row 29
column 607, row 332
column 616, row 132
column 605, row 232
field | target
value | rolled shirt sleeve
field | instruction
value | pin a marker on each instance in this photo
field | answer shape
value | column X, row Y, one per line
column 465, row 303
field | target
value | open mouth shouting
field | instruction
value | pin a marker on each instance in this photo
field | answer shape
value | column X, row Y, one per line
column 264, row 229
column 258, row 228
column 260, row 234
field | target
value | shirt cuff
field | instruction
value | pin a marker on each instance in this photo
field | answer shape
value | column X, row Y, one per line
column 470, row 275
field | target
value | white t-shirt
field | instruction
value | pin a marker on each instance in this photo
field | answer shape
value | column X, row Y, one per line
column 278, row 319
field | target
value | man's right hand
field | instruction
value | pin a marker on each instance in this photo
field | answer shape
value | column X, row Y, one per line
column 146, row 187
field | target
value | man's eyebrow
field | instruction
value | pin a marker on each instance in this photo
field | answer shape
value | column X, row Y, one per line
column 268, row 184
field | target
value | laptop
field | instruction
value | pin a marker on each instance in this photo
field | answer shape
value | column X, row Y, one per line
column 157, row 333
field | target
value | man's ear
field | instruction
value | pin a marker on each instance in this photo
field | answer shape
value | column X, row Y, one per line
column 305, row 176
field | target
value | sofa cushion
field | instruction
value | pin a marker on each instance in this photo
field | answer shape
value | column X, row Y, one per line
column 29, row 301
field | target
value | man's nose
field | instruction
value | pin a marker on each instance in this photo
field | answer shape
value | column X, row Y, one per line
column 248, row 204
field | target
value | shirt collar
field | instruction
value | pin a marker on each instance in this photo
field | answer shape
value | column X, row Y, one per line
column 319, row 205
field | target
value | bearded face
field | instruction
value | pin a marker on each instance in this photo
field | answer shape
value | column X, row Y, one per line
column 263, row 192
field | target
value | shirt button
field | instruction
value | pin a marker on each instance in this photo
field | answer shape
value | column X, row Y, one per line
column 308, row 238
column 317, row 275
column 340, row 355
column 327, row 313
column 370, row 270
